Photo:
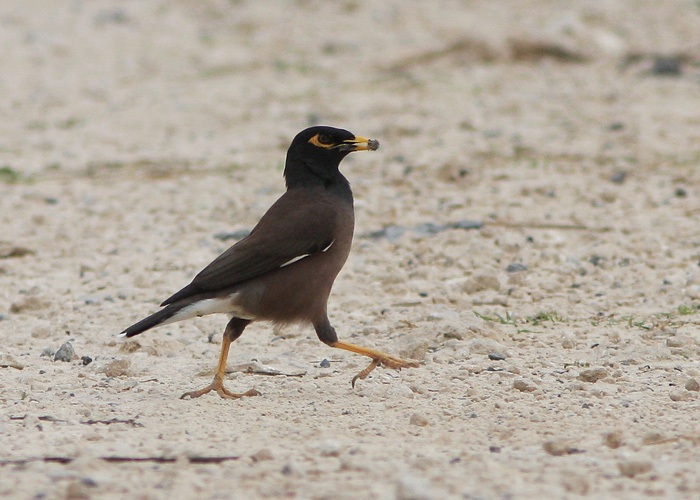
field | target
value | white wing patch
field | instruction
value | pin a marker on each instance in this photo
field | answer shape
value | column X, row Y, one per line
column 295, row 259
column 299, row 257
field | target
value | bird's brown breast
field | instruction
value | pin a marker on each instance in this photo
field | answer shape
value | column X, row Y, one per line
column 299, row 291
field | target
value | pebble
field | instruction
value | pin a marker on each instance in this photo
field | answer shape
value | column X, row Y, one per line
column 568, row 342
column 631, row 468
column 116, row 368
column 415, row 350
column 291, row 469
column 681, row 395
column 559, row 447
column 486, row 346
column 65, row 353
column 86, row 360
column 419, row 420
column 653, row 437
column 679, row 341
column 496, row 356
column 516, row 267
column 467, row 224
column 262, row 455
column 618, row 177
column 692, row 385
column 9, row 361
column 30, row 304
column 325, row 363
column 330, row 448
column 592, row 375
column 524, row 385
column 613, row 439
column 47, row 353
column 667, row 66
column 480, row 283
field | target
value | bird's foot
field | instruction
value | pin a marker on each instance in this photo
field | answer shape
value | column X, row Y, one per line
column 384, row 360
column 218, row 386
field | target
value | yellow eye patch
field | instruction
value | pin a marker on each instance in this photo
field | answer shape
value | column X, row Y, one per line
column 316, row 141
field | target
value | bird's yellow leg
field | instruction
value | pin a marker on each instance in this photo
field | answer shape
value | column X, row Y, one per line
column 218, row 383
column 378, row 358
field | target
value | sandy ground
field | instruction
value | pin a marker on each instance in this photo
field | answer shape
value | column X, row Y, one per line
column 559, row 341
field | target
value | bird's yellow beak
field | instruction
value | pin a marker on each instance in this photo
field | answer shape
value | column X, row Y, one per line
column 360, row 144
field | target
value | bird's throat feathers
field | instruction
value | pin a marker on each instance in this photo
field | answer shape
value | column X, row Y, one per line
column 304, row 173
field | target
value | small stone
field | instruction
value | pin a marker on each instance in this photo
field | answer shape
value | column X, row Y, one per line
column 481, row 282
column 568, row 342
column 618, row 177
column 86, row 360
column 486, row 346
column 30, row 304
column 262, row 455
column 592, row 375
column 419, row 420
column 330, row 448
column 116, row 368
column 130, row 346
column 467, row 224
column 692, row 385
column 653, row 438
column 667, row 66
column 559, row 447
column 8, row 361
column 516, row 267
column 65, row 353
column 47, row 353
column 494, row 449
column 681, row 395
column 415, row 350
column 524, row 385
column 496, row 356
column 291, row 469
column 631, row 468
column 613, row 439
column 325, row 363
column 678, row 341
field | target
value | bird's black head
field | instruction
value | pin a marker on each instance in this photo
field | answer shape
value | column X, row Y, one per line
column 315, row 155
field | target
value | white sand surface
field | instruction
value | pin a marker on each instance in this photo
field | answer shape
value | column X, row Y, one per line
column 132, row 133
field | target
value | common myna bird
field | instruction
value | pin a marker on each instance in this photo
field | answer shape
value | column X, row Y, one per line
column 283, row 271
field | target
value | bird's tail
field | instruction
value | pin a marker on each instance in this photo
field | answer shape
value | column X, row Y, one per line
column 159, row 318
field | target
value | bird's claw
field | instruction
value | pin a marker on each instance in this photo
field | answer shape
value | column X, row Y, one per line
column 387, row 361
column 220, row 390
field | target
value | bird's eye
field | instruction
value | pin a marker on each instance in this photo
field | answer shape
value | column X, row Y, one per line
column 324, row 139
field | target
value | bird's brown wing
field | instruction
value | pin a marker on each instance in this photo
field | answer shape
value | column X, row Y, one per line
column 290, row 229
